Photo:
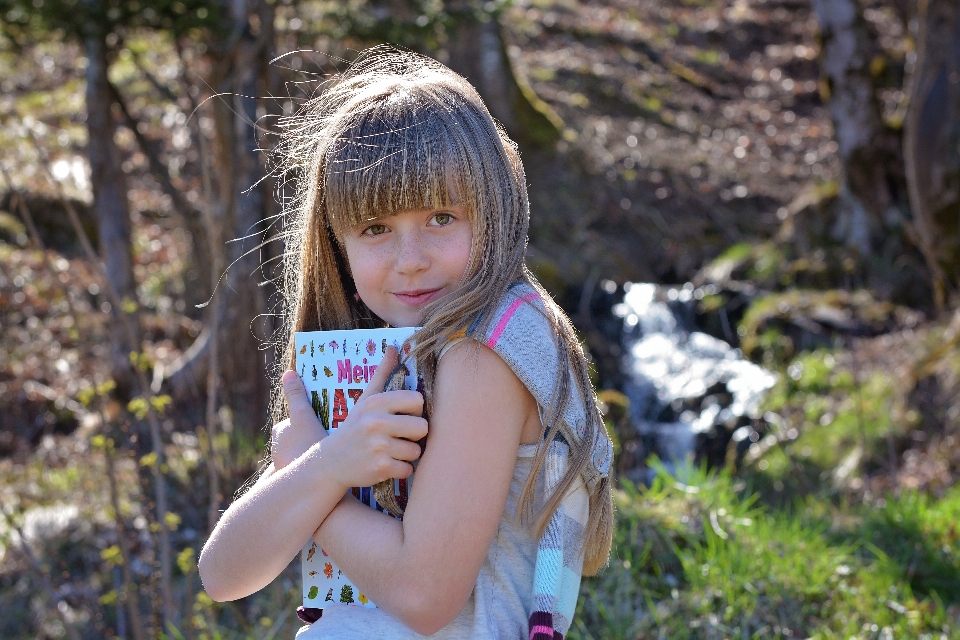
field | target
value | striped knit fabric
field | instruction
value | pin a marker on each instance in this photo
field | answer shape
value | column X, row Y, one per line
column 523, row 337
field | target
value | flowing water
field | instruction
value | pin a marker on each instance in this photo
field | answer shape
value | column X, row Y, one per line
column 691, row 394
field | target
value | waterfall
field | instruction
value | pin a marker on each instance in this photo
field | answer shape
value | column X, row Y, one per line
column 690, row 393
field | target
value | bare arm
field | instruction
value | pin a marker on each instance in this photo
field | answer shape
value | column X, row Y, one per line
column 423, row 569
column 261, row 532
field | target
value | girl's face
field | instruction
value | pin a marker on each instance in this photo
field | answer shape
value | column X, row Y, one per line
column 401, row 263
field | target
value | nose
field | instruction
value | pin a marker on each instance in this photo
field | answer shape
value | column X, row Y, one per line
column 412, row 256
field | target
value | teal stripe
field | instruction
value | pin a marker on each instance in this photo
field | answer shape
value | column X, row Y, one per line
column 569, row 590
column 547, row 575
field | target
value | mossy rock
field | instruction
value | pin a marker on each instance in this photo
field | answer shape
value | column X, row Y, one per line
column 780, row 325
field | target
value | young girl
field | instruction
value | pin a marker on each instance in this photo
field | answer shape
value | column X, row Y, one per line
column 413, row 211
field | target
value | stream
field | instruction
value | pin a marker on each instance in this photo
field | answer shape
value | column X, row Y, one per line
column 692, row 397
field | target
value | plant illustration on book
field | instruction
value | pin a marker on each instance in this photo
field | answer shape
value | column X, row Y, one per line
column 336, row 367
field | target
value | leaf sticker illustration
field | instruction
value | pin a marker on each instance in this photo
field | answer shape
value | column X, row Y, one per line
column 303, row 350
column 362, row 598
column 328, row 570
column 313, row 550
column 314, row 591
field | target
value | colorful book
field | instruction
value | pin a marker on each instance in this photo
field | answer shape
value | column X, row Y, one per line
column 336, row 367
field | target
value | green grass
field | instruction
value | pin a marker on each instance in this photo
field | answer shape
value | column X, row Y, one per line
column 708, row 560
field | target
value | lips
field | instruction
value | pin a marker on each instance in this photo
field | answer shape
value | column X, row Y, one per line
column 417, row 297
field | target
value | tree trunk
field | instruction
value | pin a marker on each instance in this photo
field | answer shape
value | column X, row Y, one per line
column 110, row 204
column 932, row 142
column 236, row 222
column 477, row 51
column 869, row 207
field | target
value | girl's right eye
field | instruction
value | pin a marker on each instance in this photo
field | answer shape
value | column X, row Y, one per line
column 374, row 230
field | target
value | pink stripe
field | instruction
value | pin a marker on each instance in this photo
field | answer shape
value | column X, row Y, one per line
column 498, row 331
column 541, row 629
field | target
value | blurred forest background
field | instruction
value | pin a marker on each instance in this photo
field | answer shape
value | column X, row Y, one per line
column 797, row 162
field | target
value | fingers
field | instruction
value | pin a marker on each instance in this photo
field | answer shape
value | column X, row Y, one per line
column 408, row 428
column 382, row 435
column 402, row 470
column 380, row 377
column 278, row 429
column 296, row 395
column 302, row 416
column 404, row 450
column 395, row 469
column 397, row 402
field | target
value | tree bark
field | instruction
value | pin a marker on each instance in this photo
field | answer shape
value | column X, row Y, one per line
column 869, row 207
column 932, row 142
column 236, row 220
column 110, row 204
column 477, row 51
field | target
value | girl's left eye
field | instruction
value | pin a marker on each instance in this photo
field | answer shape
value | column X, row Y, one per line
column 374, row 230
column 441, row 219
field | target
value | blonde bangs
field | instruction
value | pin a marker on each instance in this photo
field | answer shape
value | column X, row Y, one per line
column 398, row 156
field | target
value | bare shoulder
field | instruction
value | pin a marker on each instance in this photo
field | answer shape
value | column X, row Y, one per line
column 470, row 367
column 472, row 377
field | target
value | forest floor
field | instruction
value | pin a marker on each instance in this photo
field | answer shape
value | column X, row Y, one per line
column 693, row 127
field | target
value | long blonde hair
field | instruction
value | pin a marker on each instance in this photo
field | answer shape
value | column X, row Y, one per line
column 399, row 131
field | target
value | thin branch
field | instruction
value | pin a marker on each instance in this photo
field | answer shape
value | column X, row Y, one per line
column 213, row 374
column 161, row 88
column 128, row 594
column 151, row 150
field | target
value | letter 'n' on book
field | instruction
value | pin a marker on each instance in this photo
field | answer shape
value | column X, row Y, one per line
column 336, row 367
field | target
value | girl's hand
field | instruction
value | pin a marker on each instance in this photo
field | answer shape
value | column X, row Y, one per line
column 376, row 442
column 291, row 438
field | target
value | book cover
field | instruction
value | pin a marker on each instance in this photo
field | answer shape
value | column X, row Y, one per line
column 336, row 367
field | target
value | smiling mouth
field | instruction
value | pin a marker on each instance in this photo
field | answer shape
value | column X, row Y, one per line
column 417, row 297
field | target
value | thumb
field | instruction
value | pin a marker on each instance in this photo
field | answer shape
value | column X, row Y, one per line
column 296, row 396
column 390, row 360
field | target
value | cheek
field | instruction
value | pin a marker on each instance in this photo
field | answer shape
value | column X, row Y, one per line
column 362, row 263
column 462, row 255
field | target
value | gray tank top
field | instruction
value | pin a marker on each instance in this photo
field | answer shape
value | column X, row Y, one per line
column 497, row 609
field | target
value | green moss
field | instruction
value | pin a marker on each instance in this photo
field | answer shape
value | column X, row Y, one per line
column 800, row 309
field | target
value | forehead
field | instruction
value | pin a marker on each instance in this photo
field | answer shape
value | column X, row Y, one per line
column 393, row 161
